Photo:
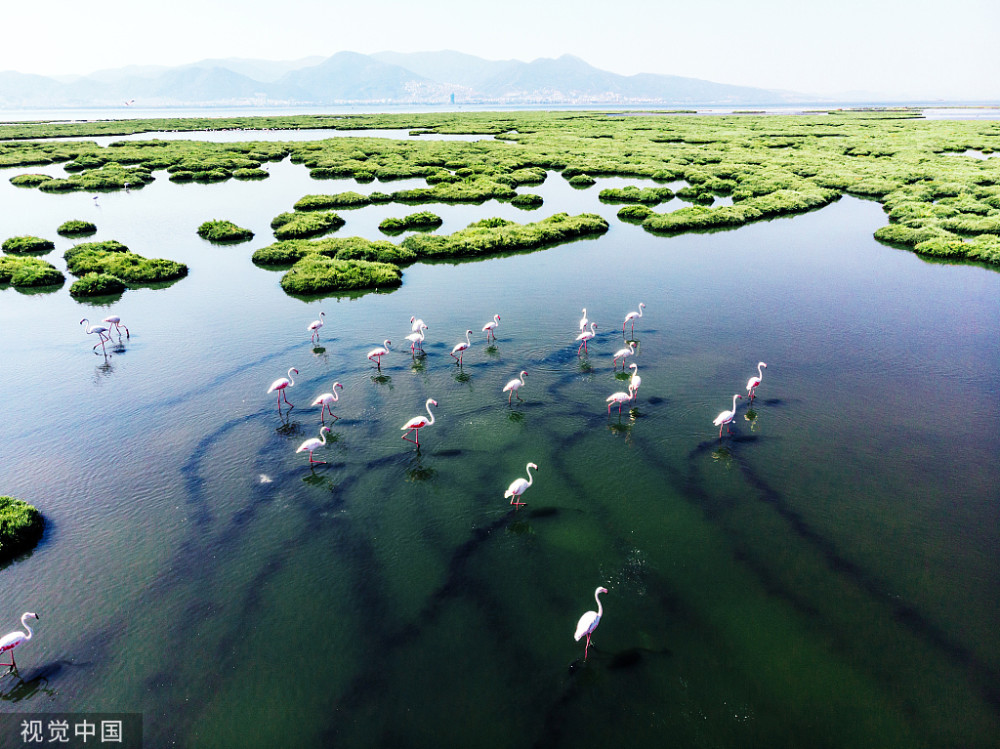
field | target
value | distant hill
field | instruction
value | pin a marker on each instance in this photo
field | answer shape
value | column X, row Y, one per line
column 383, row 78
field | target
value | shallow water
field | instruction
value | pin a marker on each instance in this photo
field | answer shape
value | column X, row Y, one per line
column 825, row 575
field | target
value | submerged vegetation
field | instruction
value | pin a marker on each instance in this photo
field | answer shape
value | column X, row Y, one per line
column 940, row 201
column 21, row 527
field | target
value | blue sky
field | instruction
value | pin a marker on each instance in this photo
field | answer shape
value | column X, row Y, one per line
column 908, row 48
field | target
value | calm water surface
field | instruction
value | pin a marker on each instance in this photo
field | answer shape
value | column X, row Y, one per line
column 825, row 576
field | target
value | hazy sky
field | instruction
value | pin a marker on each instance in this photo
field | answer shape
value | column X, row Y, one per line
column 910, row 48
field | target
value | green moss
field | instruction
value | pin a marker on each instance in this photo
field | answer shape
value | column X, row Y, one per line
column 96, row 284
column 633, row 194
column 318, row 274
column 635, row 214
column 421, row 220
column 130, row 268
column 223, row 231
column 527, row 200
column 21, row 527
column 28, row 272
column 486, row 237
column 29, row 180
column 289, row 252
column 338, row 200
column 76, row 228
column 300, row 225
column 582, row 180
column 251, row 174
column 472, row 190
column 28, row 245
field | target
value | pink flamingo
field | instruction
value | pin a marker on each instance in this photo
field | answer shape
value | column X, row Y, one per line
column 490, row 328
column 416, row 339
column 631, row 317
column 12, row 639
column 584, row 322
column 724, row 418
column 415, row 324
column 619, row 398
column 622, row 353
column 461, row 348
column 101, row 333
column 325, row 400
column 635, row 380
column 376, row 354
column 314, row 443
column 753, row 382
column 280, row 384
column 513, row 386
column 314, row 326
column 589, row 621
column 117, row 322
column 519, row 487
column 585, row 336
column 419, row 422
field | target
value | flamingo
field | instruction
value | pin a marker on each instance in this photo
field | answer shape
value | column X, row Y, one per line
column 325, row 400
column 619, row 398
column 724, row 418
column 513, row 386
column 101, row 333
column 314, row 326
column 622, row 353
column 490, row 328
column 416, row 323
column 461, row 348
column 379, row 352
column 635, row 380
column 586, row 336
column 519, row 487
column 631, row 317
column 12, row 639
column 589, row 621
column 419, row 422
column 584, row 322
column 280, row 384
column 117, row 322
column 753, row 382
column 314, row 443
column 416, row 339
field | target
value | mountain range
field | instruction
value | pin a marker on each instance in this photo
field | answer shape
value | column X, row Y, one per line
column 383, row 78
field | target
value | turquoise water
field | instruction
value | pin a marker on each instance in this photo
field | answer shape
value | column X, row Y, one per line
column 826, row 575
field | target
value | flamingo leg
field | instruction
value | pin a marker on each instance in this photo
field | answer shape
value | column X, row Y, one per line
column 519, row 397
column 587, row 648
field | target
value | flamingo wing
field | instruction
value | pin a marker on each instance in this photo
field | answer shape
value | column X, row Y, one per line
column 415, row 423
column 587, row 624
column 278, row 384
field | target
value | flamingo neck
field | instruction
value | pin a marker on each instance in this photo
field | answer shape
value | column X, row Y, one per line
column 322, row 435
column 735, row 398
column 530, row 477
column 640, row 310
column 24, row 623
column 600, row 608
column 429, row 412
column 760, row 371
column 290, row 380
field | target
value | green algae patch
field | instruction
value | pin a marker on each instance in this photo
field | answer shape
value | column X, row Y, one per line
column 114, row 259
column 76, row 228
column 778, row 203
column 496, row 236
column 318, row 274
column 633, row 194
column 469, row 190
column 300, row 225
column 27, row 245
column 96, row 284
column 347, row 199
column 582, row 180
column 288, row 252
column 224, row 232
column 527, row 201
column 30, row 180
column 112, row 176
column 635, row 214
column 250, row 174
column 28, row 272
column 21, row 527
column 422, row 220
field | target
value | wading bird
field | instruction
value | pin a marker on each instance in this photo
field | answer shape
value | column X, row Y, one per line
column 584, row 322
column 585, row 336
column 102, row 333
column 376, row 354
column 117, row 322
column 281, row 384
column 415, row 324
column 416, row 339
column 314, row 443
column 325, row 400
column 461, row 348
column 631, row 317
column 513, row 386
column 589, row 621
column 314, row 326
column 490, row 328
column 619, row 398
column 753, row 382
column 724, row 418
column 622, row 353
column 519, row 487
column 419, row 422
column 11, row 640
column 635, row 380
